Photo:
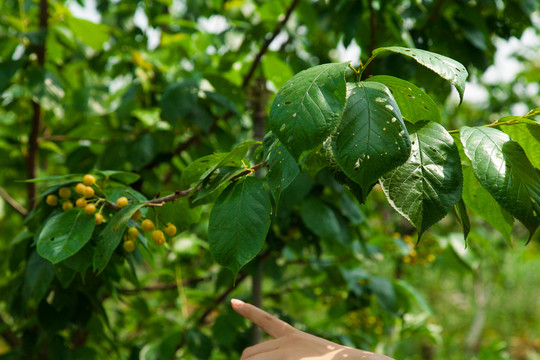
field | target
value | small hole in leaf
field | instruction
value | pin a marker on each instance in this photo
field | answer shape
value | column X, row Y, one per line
column 287, row 102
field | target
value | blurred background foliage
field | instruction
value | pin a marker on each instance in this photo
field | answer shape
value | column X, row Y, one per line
column 150, row 86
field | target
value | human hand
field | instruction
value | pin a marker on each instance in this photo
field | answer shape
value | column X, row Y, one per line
column 292, row 344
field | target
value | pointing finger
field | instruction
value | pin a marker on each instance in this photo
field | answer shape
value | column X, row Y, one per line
column 269, row 323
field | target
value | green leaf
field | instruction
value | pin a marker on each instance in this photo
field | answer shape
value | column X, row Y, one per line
column 7, row 70
column 415, row 105
column 216, row 180
column 92, row 34
column 282, row 170
column 275, row 69
column 180, row 214
column 484, row 205
column 39, row 273
column 528, row 136
column 308, row 107
column 121, row 176
column 463, row 218
column 46, row 88
column 192, row 174
column 239, row 222
column 178, row 100
column 64, row 235
column 234, row 157
column 503, row 169
column 447, row 68
column 112, row 234
column 428, row 185
column 371, row 138
column 320, row 218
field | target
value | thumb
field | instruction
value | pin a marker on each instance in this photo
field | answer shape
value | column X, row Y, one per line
column 269, row 323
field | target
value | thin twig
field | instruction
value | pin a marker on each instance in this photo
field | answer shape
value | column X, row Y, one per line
column 13, row 203
column 195, row 138
column 267, row 43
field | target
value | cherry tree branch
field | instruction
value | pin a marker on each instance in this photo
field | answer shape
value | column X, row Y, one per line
column 33, row 141
column 195, row 138
column 13, row 203
column 267, row 43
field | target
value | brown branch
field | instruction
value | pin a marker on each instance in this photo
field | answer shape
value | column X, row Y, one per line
column 195, row 138
column 267, row 43
column 174, row 196
column 8, row 335
column 221, row 298
column 13, row 203
column 33, row 148
column 436, row 11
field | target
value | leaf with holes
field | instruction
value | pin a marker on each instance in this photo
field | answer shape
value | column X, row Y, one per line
column 239, row 222
column 308, row 107
column 429, row 184
column 448, row 69
column 503, row 169
column 64, row 235
column 371, row 138
column 415, row 105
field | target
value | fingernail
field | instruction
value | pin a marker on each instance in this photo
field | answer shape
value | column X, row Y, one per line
column 236, row 303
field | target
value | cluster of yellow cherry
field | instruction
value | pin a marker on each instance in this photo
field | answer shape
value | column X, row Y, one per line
column 147, row 225
column 88, row 201
column 86, row 190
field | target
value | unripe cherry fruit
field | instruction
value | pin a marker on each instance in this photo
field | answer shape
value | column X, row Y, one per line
column 99, row 218
column 90, row 209
column 52, row 200
column 64, row 192
column 80, row 203
column 89, row 180
column 129, row 246
column 88, row 192
column 158, row 237
column 67, row 205
column 133, row 232
column 170, row 229
column 122, row 202
column 147, row 225
column 79, row 188
column 137, row 215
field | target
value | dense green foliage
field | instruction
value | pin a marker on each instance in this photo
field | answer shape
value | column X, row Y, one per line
column 279, row 164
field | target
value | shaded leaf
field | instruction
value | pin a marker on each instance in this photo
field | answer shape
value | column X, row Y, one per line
column 321, row 219
column 39, row 274
column 428, row 185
